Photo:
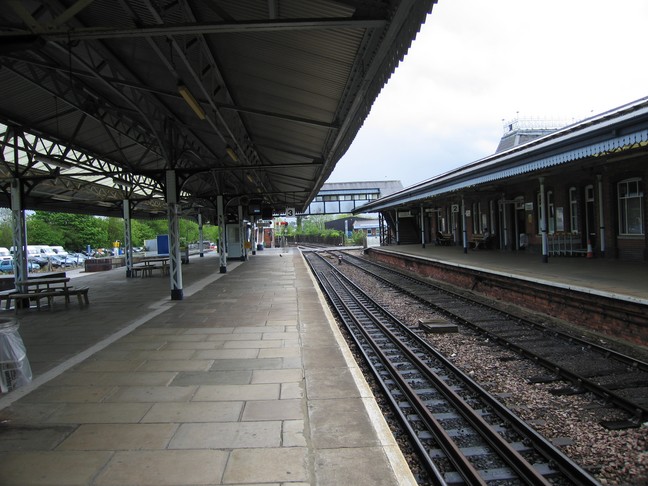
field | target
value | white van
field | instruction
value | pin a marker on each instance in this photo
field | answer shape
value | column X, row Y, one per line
column 59, row 251
column 5, row 254
column 45, row 250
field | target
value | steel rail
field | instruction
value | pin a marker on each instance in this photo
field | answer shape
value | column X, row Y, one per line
column 513, row 459
column 510, row 456
column 638, row 412
column 435, row 475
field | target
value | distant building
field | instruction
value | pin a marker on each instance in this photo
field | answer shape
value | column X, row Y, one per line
column 348, row 197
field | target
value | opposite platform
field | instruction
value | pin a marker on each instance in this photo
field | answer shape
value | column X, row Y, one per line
column 245, row 381
column 604, row 276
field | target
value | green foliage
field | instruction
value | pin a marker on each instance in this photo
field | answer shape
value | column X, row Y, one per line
column 72, row 231
column 75, row 232
column 357, row 238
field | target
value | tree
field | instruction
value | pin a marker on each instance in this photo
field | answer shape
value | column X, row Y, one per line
column 72, row 231
column 6, row 234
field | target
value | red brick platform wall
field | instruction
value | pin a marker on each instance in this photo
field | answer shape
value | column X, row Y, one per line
column 616, row 318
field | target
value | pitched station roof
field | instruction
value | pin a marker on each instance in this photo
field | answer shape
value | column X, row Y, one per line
column 604, row 136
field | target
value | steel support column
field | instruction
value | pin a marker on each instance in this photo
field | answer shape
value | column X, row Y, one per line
column 599, row 178
column 253, row 236
column 175, row 266
column 397, row 228
column 241, row 233
column 128, row 240
column 463, row 224
column 543, row 222
column 504, row 222
column 19, row 229
column 422, row 227
column 201, row 243
column 220, row 209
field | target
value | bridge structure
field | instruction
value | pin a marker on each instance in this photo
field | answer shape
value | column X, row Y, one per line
column 349, row 197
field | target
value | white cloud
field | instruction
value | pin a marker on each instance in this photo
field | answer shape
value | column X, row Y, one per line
column 475, row 63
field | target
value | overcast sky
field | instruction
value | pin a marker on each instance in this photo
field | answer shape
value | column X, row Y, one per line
column 476, row 63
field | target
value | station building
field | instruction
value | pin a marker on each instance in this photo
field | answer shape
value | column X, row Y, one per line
column 571, row 191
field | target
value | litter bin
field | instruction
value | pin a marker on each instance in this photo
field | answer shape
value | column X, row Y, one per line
column 14, row 365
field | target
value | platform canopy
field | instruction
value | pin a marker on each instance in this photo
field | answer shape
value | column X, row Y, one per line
column 104, row 101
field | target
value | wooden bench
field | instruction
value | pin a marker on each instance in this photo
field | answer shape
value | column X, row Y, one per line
column 478, row 241
column 5, row 295
column 80, row 292
column 36, row 296
column 142, row 271
column 444, row 239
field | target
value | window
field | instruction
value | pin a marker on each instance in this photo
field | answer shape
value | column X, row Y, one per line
column 630, row 194
column 573, row 210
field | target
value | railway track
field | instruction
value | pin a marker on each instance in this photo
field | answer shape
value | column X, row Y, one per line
column 462, row 434
column 618, row 379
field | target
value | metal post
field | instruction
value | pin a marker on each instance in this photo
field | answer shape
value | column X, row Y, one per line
column 422, row 227
column 253, row 236
column 19, row 227
column 220, row 209
column 543, row 222
column 397, row 228
column 502, row 223
column 128, row 242
column 241, row 233
column 175, row 268
column 463, row 223
column 601, row 215
column 201, row 243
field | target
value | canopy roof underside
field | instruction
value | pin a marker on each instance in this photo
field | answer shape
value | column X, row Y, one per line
column 253, row 100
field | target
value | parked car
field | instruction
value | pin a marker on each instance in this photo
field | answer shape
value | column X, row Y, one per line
column 7, row 266
column 38, row 260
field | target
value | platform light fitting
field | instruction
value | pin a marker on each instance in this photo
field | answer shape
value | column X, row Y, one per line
column 46, row 159
column 231, row 153
column 191, row 101
column 123, row 183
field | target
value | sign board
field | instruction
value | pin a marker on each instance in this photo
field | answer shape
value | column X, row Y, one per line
column 290, row 212
column 455, row 208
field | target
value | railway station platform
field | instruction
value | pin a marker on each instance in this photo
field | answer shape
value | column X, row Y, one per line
column 605, row 297
column 600, row 276
column 245, row 381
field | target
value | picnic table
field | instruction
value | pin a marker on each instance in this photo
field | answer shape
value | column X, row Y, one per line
column 146, row 267
column 37, row 289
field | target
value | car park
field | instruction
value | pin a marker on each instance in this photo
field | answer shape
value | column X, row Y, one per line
column 7, row 266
